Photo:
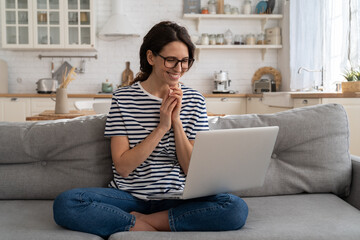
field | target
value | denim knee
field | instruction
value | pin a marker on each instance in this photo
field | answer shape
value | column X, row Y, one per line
column 236, row 213
column 62, row 206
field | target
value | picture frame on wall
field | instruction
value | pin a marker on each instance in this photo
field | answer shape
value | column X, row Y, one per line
column 192, row 6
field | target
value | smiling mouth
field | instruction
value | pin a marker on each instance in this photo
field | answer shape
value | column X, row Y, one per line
column 174, row 76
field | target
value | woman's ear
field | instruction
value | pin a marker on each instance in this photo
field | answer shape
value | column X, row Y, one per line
column 150, row 57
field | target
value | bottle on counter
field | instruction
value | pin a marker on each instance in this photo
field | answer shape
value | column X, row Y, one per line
column 127, row 76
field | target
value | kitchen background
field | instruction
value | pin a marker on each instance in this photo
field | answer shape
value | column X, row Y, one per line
column 25, row 68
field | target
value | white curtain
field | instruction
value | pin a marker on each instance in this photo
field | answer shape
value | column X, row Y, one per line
column 306, row 41
column 323, row 34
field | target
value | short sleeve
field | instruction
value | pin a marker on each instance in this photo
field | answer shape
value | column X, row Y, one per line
column 115, row 125
column 200, row 119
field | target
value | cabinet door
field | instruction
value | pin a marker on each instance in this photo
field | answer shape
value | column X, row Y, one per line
column 39, row 105
column 15, row 109
column 352, row 107
column 16, row 19
column 48, row 24
column 256, row 106
column 304, row 102
column 226, row 105
column 79, row 24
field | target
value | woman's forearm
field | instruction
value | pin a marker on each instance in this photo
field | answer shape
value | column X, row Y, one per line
column 129, row 160
column 183, row 146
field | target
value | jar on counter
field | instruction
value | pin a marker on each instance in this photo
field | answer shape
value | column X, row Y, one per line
column 204, row 39
column 247, row 7
column 220, row 39
column 260, row 39
column 250, row 39
column 212, row 39
column 212, row 6
column 234, row 10
column 204, row 10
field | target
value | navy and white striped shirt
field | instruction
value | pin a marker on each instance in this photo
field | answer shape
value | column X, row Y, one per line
column 135, row 113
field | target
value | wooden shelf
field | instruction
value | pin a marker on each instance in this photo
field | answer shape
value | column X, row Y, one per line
column 263, row 17
column 263, row 48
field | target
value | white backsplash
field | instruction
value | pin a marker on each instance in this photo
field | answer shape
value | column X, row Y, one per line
column 25, row 68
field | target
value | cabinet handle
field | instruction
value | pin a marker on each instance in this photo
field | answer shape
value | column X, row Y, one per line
column 249, row 98
column 224, row 99
column 14, row 99
column 305, row 101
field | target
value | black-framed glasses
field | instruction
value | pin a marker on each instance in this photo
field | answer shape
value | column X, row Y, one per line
column 172, row 62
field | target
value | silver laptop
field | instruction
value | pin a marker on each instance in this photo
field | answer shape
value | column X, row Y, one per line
column 227, row 160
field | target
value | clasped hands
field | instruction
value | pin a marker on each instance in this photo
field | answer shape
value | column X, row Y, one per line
column 170, row 108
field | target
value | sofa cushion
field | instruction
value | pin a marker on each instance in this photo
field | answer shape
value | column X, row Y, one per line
column 296, row 217
column 39, row 160
column 33, row 220
column 311, row 153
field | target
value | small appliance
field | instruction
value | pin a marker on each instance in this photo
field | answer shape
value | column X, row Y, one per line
column 46, row 85
column 222, row 82
column 264, row 85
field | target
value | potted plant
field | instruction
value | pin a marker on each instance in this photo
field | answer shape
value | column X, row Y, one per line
column 353, row 81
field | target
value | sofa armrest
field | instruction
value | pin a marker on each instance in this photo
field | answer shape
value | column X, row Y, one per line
column 354, row 197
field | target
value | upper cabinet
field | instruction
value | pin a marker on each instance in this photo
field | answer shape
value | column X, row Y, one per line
column 47, row 24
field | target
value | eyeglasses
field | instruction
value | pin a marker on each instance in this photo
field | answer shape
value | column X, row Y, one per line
column 172, row 62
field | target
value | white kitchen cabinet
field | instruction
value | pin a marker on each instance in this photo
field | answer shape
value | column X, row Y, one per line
column 14, row 109
column 48, row 24
column 304, row 102
column 38, row 105
column 226, row 105
column 352, row 107
column 254, row 105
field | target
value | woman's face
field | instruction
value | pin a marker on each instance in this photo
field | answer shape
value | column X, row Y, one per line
column 163, row 69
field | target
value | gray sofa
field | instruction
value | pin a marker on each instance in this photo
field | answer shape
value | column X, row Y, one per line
column 311, row 190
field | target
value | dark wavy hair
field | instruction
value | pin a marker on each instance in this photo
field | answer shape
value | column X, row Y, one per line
column 160, row 35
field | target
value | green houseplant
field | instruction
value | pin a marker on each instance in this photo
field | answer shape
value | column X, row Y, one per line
column 353, row 81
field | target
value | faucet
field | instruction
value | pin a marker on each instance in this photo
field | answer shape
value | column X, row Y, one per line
column 314, row 70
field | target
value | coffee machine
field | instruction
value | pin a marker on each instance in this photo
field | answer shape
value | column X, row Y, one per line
column 222, row 82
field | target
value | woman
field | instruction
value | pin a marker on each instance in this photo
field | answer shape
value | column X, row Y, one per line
column 152, row 125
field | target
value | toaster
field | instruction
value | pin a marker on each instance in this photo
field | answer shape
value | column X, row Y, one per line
column 264, row 85
column 46, row 85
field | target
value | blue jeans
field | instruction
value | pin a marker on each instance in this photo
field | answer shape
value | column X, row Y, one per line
column 104, row 211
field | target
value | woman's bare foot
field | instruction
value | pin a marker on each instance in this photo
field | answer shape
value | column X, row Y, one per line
column 141, row 225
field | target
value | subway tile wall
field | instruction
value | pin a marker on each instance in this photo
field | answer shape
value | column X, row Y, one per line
column 25, row 68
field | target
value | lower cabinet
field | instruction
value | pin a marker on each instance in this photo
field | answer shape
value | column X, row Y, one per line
column 14, row 109
column 17, row 109
column 352, row 107
column 255, row 105
column 226, row 105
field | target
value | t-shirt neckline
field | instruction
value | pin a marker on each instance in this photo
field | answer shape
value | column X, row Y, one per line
column 149, row 94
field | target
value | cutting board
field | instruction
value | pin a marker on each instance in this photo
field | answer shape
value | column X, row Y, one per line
column 3, row 77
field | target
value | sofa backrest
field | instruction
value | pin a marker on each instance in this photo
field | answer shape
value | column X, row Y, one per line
column 311, row 153
column 39, row 160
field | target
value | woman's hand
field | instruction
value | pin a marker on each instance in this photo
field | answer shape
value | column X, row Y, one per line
column 176, row 93
column 166, row 110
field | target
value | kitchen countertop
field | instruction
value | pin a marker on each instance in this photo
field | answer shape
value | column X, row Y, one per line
column 240, row 95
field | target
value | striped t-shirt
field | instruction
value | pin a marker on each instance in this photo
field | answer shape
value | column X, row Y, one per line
column 135, row 113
